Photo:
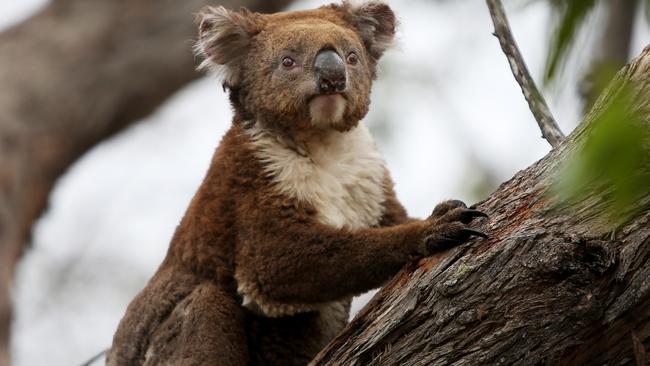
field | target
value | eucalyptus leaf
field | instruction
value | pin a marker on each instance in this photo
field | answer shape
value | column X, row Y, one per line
column 614, row 162
column 572, row 14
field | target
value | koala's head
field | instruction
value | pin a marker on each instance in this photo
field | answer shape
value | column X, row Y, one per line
column 298, row 70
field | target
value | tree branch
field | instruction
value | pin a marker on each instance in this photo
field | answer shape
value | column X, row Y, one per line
column 550, row 130
column 550, row 286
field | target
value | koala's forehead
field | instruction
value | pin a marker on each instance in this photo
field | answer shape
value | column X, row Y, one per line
column 308, row 34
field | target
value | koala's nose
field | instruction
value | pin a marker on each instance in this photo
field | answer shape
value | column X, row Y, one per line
column 330, row 72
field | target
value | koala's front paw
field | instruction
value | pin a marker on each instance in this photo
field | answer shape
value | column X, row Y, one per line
column 448, row 226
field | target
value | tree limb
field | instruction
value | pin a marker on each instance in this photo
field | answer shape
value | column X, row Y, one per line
column 550, row 130
column 72, row 75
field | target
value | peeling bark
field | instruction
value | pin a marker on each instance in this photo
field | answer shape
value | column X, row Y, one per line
column 72, row 75
column 556, row 283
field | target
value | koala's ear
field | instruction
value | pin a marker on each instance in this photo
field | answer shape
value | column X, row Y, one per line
column 374, row 21
column 224, row 40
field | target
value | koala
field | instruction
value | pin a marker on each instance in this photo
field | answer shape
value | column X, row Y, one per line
column 297, row 212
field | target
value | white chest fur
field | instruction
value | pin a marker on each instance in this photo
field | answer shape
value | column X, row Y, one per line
column 341, row 176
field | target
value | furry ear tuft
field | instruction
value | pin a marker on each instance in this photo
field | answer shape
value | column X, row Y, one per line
column 375, row 22
column 224, row 40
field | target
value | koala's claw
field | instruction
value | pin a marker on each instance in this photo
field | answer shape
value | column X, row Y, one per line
column 469, row 214
column 442, row 208
column 462, row 214
column 474, row 232
column 438, row 242
column 449, row 228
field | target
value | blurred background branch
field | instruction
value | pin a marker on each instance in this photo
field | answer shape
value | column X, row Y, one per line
column 612, row 48
column 72, row 75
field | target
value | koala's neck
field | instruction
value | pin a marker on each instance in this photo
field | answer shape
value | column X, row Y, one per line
column 304, row 142
column 341, row 174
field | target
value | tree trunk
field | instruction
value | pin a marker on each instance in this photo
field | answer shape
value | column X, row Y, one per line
column 72, row 75
column 554, row 284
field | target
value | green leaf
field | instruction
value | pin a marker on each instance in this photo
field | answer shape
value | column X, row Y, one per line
column 613, row 163
column 572, row 14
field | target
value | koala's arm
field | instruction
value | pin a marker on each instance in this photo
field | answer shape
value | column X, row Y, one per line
column 284, row 256
column 303, row 261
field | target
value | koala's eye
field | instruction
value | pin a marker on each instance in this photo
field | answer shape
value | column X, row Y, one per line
column 288, row 62
column 352, row 58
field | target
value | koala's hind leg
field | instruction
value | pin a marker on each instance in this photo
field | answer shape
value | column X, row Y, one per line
column 177, row 320
column 206, row 328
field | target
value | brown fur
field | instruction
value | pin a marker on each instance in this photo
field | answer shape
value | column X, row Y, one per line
column 239, row 231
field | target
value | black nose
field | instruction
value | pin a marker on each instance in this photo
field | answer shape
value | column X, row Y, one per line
column 330, row 72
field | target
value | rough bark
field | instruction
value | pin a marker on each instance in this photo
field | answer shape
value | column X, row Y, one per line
column 556, row 283
column 72, row 75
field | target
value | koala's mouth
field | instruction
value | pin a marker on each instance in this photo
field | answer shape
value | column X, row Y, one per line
column 327, row 109
column 327, row 98
column 334, row 94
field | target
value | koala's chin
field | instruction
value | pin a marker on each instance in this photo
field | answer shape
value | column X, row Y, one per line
column 327, row 110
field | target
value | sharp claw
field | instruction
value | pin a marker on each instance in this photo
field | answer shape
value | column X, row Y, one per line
column 477, row 213
column 444, row 207
column 475, row 233
column 467, row 215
